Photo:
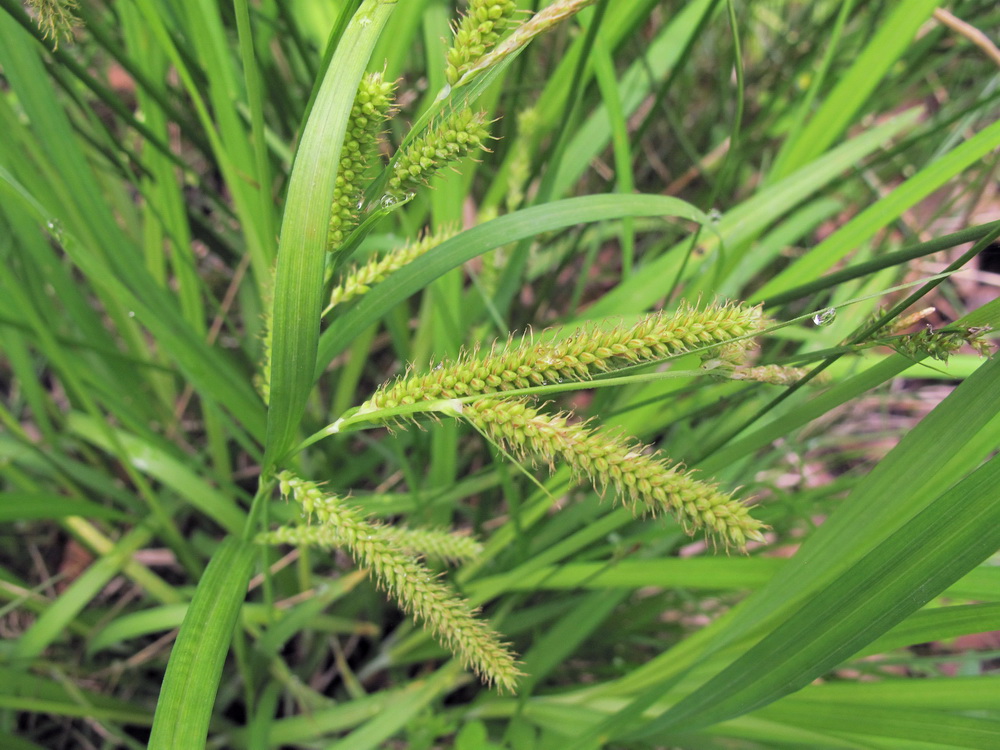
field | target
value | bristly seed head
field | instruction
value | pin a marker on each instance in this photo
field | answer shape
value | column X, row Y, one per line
column 360, row 280
column 461, row 133
column 644, row 483
column 371, row 108
column 386, row 554
column 577, row 358
column 478, row 30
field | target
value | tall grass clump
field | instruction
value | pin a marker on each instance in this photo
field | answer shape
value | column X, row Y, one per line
column 571, row 374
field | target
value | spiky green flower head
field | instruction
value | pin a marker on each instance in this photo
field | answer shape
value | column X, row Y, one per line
column 587, row 352
column 479, row 29
column 772, row 374
column 371, row 109
column 941, row 344
column 56, row 19
column 413, row 586
column 461, row 133
column 643, row 482
column 360, row 280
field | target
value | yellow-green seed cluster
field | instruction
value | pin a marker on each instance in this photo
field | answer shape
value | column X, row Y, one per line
column 263, row 381
column 458, row 135
column 579, row 357
column 542, row 22
column 941, row 344
column 371, row 108
column 56, row 19
column 522, row 157
column 646, row 484
column 479, row 29
column 415, row 588
column 772, row 374
column 435, row 543
column 360, row 280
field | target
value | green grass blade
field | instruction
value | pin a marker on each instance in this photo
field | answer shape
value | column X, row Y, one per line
column 922, row 725
column 478, row 240
column 937, row 624
column 892, row 39
column 301, row 252
column 753, row 215
column 19, row 506
column 878, row 215
column 859, row 576
column 53, row 623
column 406, row 704
column 192, row 678
column 170, row 470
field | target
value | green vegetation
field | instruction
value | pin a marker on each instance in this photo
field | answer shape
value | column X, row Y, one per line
column 528, row 375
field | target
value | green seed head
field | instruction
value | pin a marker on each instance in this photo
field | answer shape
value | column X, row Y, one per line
column 479, row 29
column 387, row 554
column 371, row 108
column 642, row 481
column 579, row 357
column 457, row 136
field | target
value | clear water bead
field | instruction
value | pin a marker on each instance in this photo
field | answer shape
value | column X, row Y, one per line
column 825, row 317
column 55, row 229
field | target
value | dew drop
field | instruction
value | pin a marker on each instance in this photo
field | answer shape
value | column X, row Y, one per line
column 388, row 201
column 131, row 313
column 55, row 228
column 825, row 317
column 714, row 215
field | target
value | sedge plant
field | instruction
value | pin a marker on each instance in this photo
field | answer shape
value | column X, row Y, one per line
column 498, row 374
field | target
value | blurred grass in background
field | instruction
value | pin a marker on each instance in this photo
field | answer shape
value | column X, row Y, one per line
column 823, row 156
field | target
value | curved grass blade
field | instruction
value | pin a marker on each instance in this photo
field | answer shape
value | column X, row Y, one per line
column 906, row 534
column 192, row 679
column 302, row 248
column 478, row 240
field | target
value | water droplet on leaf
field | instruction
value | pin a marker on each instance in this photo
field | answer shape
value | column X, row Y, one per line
column 55, row 228
column 825, row 317
column 714, row 215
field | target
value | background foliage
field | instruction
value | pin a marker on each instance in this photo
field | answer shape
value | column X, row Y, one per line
column 835, row 161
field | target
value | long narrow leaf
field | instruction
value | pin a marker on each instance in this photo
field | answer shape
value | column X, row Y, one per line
column 192, row 679
column 299, row 275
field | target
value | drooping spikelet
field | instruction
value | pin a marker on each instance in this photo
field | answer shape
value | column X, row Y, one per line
column 56, row 19
column 942, row 343
column 370, row 110
column 772, row 374
column 359, row 280
column 415, row 588
column 644, row 483
column 435, row 543
column 458, row 135
column 479, row 29
column 579, row 357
